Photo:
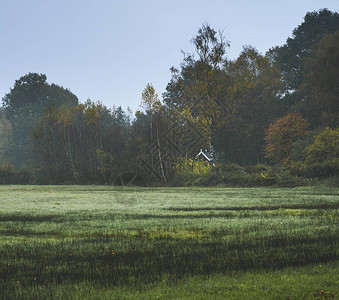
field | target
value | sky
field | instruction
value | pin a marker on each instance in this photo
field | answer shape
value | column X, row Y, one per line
column 108, row 50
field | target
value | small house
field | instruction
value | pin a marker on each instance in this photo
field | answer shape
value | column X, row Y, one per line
column 206, row 155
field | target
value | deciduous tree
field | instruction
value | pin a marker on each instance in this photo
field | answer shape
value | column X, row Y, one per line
column 282, row 134
column 321, row 85
column 252, row 102
column 25, row 104
column 302, row 45
column 6, row 139
column 325, row 147
column 198, row 84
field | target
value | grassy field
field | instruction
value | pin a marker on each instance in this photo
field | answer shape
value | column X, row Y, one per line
column 100, row 242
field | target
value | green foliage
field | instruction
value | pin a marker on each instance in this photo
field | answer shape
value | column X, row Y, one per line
column 322, row 81
column 296, row 168
column 322, row 170
column 322, row 158
column 251, row 103
column 325, row 147
column 8, row 174
column 210, row 101
column 105, row 165
column 26, row 175
column 23, row 107
column 291, row 56
column 200, row 84
column 189, row 172
column 303, row 43
column 332, row 181
column 32, row 94
column 233, row 103
column 298, row 152
column 67, row 141
column 228, row 168
column 189, row 165
column 259, row 168
column 209, row 47
column 6, row 139
column 233, row 175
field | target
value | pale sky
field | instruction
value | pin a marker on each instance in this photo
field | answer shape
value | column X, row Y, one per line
column 109, row 50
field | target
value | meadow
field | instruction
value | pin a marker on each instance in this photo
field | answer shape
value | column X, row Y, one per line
column 104, row 242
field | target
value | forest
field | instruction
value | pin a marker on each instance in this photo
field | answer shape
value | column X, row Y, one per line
column 260, row 119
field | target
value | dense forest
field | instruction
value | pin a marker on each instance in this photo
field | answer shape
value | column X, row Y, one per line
column 260, row 120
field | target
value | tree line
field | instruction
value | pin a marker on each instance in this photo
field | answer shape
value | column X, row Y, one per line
column 280, row 108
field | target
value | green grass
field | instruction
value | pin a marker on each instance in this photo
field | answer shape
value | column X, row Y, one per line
column 100, row 242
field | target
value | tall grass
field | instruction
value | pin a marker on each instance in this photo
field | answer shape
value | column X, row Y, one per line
column 57, row 241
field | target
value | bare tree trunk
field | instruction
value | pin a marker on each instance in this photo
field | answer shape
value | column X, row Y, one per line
column 160, row 158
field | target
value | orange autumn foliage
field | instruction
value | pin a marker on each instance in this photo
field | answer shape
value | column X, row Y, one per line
column 282, row 134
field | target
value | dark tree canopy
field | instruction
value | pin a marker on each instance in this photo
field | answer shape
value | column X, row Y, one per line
column 303, row 43
column 24, row 105
column 199, row 79
column 229, row 107
column 321, row 85
column 32, row 94
column 305, row 38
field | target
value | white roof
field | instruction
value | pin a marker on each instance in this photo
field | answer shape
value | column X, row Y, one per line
column 202, row 153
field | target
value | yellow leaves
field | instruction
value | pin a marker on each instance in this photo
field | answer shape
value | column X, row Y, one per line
column 149, row 100
column 7, row 167
column 325, row 147
column 105, row 161
column 265, row 176
column 66, row 115
column 91, row 113
column 92, row 116
column 200, row 122
column 188, row 165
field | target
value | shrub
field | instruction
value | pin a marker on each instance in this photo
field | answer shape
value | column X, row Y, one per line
column 322, row 158
column 297, row 168
column 105, row 165
column 24, row 175
column 207, row 180
column 322, row 170
column 331, row 181
column 191, row 166
column 286, row 179
column 185, row 179
column 235, row 175
column 325, row 148
column 228, row 168
column 7, row 173
column 259, row 168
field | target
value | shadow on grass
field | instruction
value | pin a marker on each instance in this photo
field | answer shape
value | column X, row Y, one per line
column 259, row 208
column 148, row 261
column 53, row 218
